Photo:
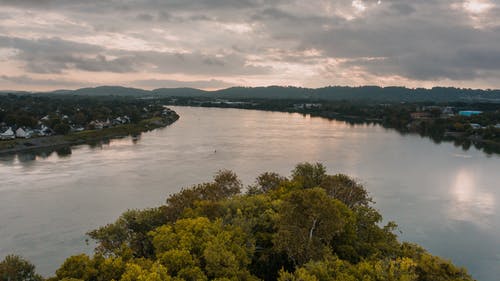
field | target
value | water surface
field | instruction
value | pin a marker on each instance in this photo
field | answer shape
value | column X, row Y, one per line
column 442, row 197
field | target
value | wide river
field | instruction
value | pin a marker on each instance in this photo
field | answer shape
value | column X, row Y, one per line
column 442, row 197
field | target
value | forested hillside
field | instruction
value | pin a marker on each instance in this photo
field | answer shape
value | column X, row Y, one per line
column 332, row 93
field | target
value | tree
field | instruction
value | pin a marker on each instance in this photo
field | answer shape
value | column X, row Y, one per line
column 26, row 121
column 130, row 231
column 333, row 269
column 15, row 268
column 77, row 267
column 155, row 272
column 300, row 229
column 228, row 183
column 62, row 128
column 308, row 221
column 363, row 237
column 309, row 175
column 225, row 185
column 269, row 181
column 80, row 118
column 219, row 251
column 347, row 190
column 433, row 268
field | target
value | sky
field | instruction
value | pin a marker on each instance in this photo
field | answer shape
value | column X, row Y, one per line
column 213, row 44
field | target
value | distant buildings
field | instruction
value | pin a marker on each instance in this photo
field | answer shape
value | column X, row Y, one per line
column 420, row 115
column 433, row 111
column 469, row 113
column 307, row 105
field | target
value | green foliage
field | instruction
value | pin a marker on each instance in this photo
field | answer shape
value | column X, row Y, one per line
column 308, row 222
column 345, row 189
column 219, row 251
column 130, row 231
column 334, row 269
column 78, row 267
column 225, row 185
column 433, row 268
column 15, row 268
column 155, row 272
column 269, row 181
column 312, row 226
column 61, row 128
column 309, row 175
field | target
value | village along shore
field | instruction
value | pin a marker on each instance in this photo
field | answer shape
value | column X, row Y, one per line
column 23, row 139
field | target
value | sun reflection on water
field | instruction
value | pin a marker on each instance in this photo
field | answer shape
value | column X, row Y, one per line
column 469, row 202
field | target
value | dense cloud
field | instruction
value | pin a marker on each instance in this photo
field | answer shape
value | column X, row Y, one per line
column 252, row 42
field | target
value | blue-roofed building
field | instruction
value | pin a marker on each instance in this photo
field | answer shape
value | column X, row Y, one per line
column 469, row 113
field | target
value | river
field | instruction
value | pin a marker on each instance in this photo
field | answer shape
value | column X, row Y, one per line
column 442, row 197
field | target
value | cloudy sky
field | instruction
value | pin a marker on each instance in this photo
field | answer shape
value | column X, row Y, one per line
column 210, row 44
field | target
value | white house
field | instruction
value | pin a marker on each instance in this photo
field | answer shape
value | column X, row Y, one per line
column 45, row 131
column 8, row 135
column 22, row 133
column 96, row 124
column 475, row 126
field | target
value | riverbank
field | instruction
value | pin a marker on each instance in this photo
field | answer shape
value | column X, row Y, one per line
column 87, row 136
column 397, row 117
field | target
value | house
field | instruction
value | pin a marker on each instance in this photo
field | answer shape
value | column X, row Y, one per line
column 475, row 126
column 420, row 115
column 106, row 124
column 469, row 113
column 448, row 110
column 76, row 128
column 23, row 133
column 8, row 135
column 96, row 124
column 120, row 120
column 166, row 111
column 45, row 131
column 431, row 108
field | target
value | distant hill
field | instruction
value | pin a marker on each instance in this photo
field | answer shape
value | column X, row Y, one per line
column 109, row 91
column 180, row 92
column 364, row 93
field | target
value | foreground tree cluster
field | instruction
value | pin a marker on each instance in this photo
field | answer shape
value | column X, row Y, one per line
column 309, row 226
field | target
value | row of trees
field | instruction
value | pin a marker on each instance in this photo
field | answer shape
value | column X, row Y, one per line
column 309, row 226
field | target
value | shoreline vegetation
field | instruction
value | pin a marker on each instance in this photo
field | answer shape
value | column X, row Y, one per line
column 309, row 226
column 441, row 122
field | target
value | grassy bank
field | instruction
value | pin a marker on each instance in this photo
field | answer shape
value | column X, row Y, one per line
column 119, row 131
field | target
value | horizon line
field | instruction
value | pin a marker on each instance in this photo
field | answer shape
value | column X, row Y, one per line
column 249, row 87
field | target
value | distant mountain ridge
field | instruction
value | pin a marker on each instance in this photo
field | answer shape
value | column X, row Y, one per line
column 331, row 93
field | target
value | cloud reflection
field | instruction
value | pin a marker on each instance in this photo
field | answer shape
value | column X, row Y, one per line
column 468, row 202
